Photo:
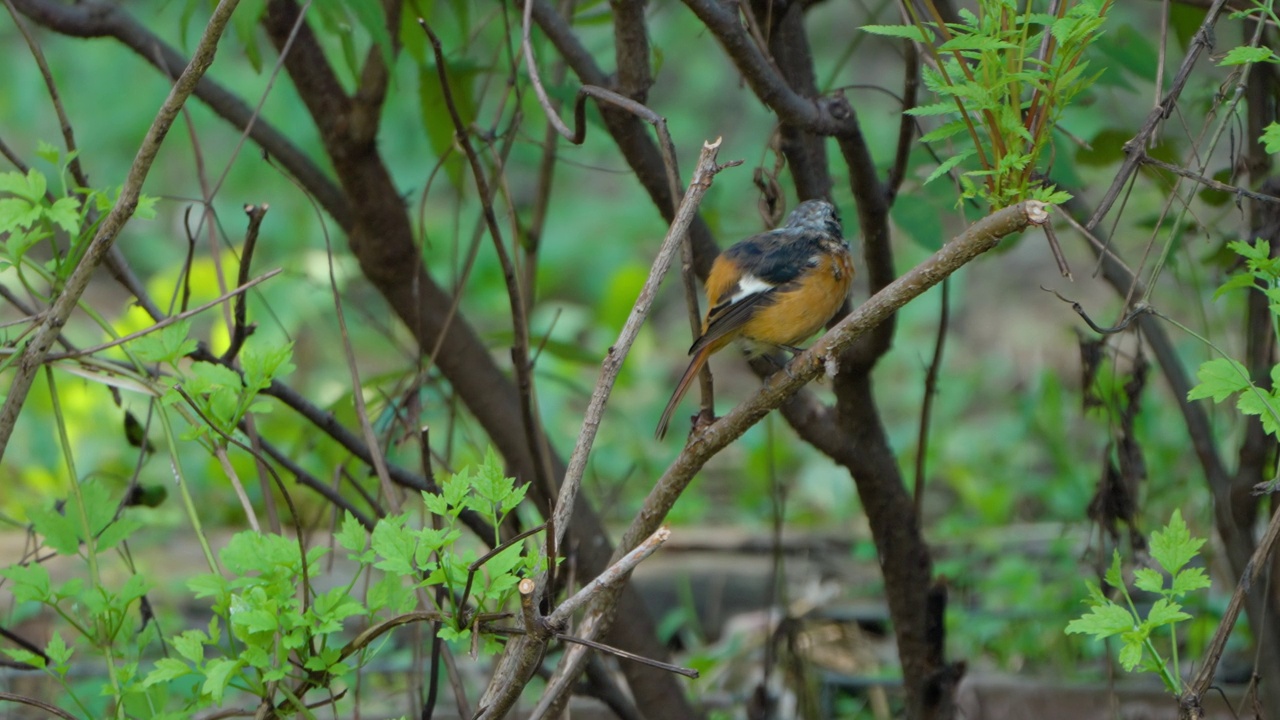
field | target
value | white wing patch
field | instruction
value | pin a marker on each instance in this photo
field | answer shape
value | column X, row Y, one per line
column 749, row 285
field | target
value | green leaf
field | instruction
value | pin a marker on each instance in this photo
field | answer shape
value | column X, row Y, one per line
column 1148, row 580
column 1192, row 578
column 1173, row 547
column 1259, row 251
column 449, row 634
column 1130, row 655
column 1235, row 282
column 190, row 645
column 49, row 153
column 65, row 213
column 436, row 124
column 24, row 656
column 218, row 674
column 948, row 164
column 946, row 130
column 57, row 650
column 166, row 669
column 118, row 532
column 1261, row 403
column 1102, row 621
column 1165, row 612
column 1271, row 138
column 59, row 531
column 1219, row 379
column 261, row 366
column 907, row 32
column 167, row 345
column 1114, row 575
column 395, row 545
column 352, row 536
column 30, row 582
column 1242, row 55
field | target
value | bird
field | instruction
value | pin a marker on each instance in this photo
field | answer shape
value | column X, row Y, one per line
column 772, row 290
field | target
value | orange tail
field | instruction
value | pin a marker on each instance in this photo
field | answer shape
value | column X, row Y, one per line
column 682, row 387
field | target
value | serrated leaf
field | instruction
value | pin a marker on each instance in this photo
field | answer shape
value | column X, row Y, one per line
column 906, row 32
column 1102, row 621
column 352, row 536
column 1192, row 578
column 1148, row 580
column 166, row 669
column 262, row 365
column 24, row 656
column 948, row 164
column 1114, row 575
column 65, row 213
column 1235, row 282
column 1130, row 655
column 1271, row 138
column 166, row 345
column 218, row 674
column 57, row 650
column 1242, row 55
column 1261, row 403
column 190, row 645
column 1173, row 547
column 1165, row 612
column 1219, row 379
column 30, row 582
column 946, row 130
column 930, row 109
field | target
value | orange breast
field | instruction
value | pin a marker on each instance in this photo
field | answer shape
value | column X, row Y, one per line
column 799, row 313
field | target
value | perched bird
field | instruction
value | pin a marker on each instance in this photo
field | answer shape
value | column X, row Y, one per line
column 772, row 290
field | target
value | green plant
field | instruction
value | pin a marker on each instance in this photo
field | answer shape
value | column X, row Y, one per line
column 1172, row 548
column 1004, row 75
column 272, row 635
column 31, row 214
column 1223, row 377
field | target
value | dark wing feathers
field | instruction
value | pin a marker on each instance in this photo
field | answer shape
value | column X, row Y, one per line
column 723, row 319
column 776, row 257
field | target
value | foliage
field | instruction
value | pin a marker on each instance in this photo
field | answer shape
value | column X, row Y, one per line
column 1223, row 377
column 1173, row 547
column 1005, row 76
column 271, row 635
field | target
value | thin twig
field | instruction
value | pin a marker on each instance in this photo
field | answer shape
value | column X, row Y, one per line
column 240, row 330
column 1207, row 182
column 1134, row 313
column 611, row 577
column 167, row 321
column 930, row 392
column 1202, row 40
column 24, row 700
column 515, row 297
